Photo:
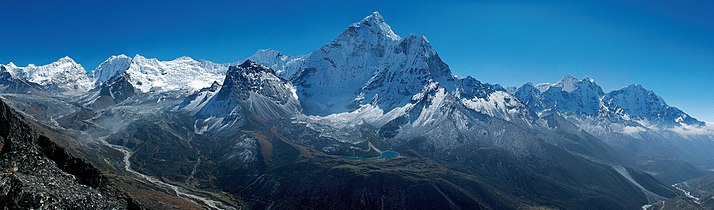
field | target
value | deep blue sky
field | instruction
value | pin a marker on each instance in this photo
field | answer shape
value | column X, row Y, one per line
column 667, row 46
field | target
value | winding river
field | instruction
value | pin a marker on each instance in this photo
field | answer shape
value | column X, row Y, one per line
column 687, row 193
column 180, row 191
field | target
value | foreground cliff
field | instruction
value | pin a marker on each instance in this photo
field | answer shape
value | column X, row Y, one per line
column 37, row 173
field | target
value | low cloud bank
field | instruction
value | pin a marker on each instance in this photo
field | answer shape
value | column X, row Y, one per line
column 693, row 130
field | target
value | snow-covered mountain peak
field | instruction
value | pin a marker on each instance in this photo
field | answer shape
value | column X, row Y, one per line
column 372, row 29
column 120, row 56
column 184, row 58
column 376, row 24
column 9, row 68
column 406, row 68
column 249, row 87
column 114, row 65
column 530, row 87
column 417, row 47
column 636, row 90
column 66, row 59
column 252, row 67
column 252, row 76
column 64, row 76
column 642, row 104
column 532, row 95
column 65, row 63
column 139, row 59
column 542, row 87
column 183, row 74
column 470, row 87
column 588, row 79
column 113, row 91
column 590, row 84
column 367, row 63
column 269, row 57
column 375, row 17
column 285, row 66
column 569, row 95
column 267, row 53
column 416, row 43
column 568, row 83
column 117, row 57
column 330, row 78
column 585, row 101
column 636, row 97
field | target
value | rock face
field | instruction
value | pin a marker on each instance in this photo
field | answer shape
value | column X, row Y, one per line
column 39, row 174
column 251, row 88
column 111, row 92
column 251, row 77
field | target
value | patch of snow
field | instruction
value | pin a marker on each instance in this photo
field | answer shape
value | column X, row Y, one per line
column 246, row 149
column 498, row 104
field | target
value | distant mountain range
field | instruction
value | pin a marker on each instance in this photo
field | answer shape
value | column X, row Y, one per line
column 369, row 120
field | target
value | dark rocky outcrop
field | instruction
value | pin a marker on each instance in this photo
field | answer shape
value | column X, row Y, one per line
column 110, row 93
column 37, row 173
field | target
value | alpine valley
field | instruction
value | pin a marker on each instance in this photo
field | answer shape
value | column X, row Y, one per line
column 370, row 120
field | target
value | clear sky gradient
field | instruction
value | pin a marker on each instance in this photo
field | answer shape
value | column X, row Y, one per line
column 667, row 46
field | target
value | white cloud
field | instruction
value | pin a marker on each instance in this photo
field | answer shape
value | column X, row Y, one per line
column 632, row 130
column 693, row 130
column 648, row 125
